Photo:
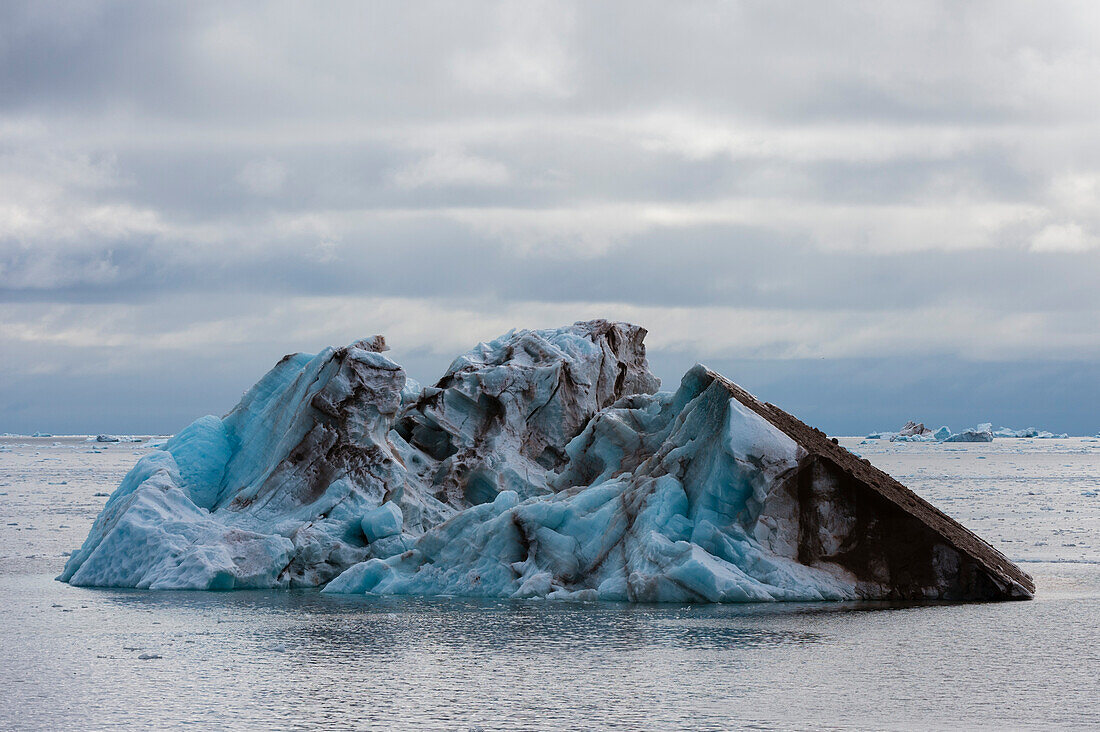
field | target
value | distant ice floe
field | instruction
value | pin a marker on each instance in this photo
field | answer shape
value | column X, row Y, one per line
column 981, row 433
column 913, row 432
column 1032, row 432
column 100, row 438
column 917, row 432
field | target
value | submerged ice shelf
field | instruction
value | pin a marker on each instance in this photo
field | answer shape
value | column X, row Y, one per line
column 543, row 464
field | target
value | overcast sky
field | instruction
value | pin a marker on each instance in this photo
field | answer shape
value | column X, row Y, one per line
column 865, row 212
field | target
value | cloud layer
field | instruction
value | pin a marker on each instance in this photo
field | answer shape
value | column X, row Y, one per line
column 200, row 188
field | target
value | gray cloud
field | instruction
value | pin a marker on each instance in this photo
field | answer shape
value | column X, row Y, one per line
column 763, row 183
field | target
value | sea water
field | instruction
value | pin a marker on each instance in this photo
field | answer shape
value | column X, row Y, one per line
column 77, row 658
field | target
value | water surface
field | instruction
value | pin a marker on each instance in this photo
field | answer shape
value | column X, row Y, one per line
column 288, row 660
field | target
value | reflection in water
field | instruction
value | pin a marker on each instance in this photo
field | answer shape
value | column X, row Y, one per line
column 347, row 624
column 273, row 659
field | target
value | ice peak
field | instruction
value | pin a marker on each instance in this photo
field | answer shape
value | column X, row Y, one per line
column 374, row 344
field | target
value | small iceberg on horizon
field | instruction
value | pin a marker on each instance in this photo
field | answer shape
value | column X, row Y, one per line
column 917, row 432
column 1028, row 432
column 981, row 433
column 913, row 432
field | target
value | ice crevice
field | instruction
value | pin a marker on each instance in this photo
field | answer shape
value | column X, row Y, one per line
column 543, row 464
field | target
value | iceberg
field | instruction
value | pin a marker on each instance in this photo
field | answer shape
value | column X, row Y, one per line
column 913, row 438
column 114, row 438
column 274, row 494
column 914, row 429
column 543, row 464
column 981, row 433
column 913, row 432
column 1009, row 432
column 1028, row 432
column 917, row 432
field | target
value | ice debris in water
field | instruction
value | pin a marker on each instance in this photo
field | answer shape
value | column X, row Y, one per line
column 542, row 464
